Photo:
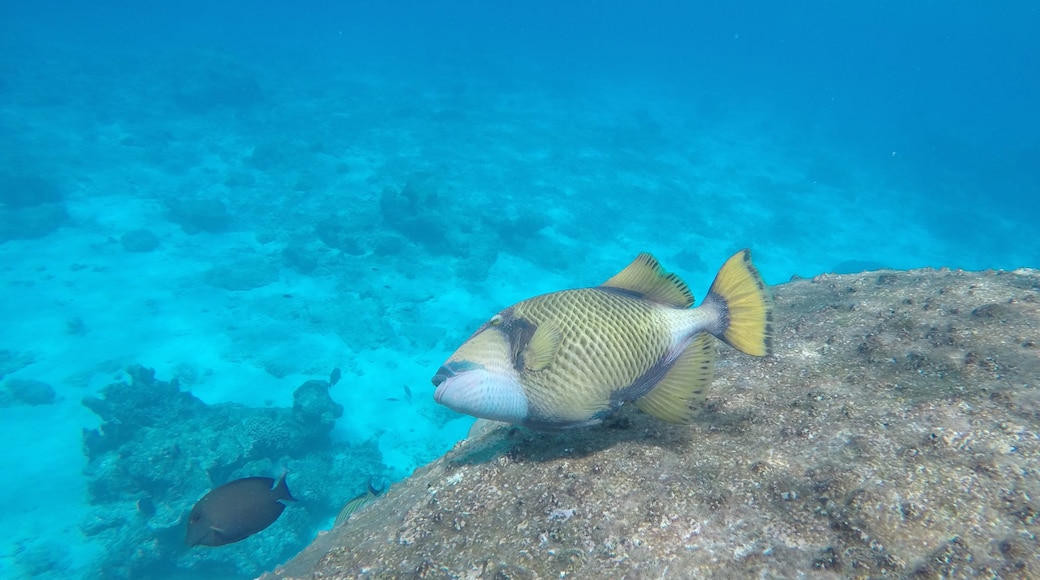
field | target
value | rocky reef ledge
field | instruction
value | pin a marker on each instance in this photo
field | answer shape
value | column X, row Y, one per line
column 894, row 432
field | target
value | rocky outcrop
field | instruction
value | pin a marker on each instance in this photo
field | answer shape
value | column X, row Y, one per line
column 895, row 431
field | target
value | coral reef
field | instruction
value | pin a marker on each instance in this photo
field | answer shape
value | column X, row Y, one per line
column 12, row 361
column 31, row 206
column 418, row 212
column 336, row 232
column 139, row 241
column 26, row 392
column 32, row 222
column 159, row 449
column 22, row 191
column 896, row 431
column 243, row 274
column 206, row 80
column 199, row 215
column 300, row 257
column 314, row 412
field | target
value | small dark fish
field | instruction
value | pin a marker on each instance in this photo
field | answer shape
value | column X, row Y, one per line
column 334, row 377
column 357, row 503
column 408, row 393
column 236, row 510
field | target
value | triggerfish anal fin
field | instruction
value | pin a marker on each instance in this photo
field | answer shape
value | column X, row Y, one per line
column 542, row 349
column 646, row 277
column 680, row 394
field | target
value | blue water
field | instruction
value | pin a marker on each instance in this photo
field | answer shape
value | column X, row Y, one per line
column 244, row 196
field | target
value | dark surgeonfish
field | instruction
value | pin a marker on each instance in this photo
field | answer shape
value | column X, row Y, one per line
column 236, row 510
column 334, row 377
column 572, row 358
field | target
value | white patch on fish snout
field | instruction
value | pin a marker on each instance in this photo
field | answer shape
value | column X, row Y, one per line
column 483, row 394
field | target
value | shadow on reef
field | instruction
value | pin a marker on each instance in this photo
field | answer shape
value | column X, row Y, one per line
column 159, row 449
column 491, row 441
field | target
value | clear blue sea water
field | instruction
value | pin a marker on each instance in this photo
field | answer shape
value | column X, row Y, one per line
column 243, row 196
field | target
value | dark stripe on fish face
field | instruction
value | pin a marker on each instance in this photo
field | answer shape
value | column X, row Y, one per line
column 453, row 368
column 520, row 332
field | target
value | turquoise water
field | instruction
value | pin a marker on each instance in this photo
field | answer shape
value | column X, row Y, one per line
column 243, row 197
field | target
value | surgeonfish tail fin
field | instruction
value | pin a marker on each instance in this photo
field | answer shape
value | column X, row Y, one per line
column 744, row 304
column 281, row 489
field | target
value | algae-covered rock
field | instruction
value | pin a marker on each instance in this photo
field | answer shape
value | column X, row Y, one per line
column 895, row 432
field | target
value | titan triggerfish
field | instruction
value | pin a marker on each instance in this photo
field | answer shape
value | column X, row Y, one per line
column 572, row 358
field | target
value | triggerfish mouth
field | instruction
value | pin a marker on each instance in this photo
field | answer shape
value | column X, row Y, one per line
column 572, row 358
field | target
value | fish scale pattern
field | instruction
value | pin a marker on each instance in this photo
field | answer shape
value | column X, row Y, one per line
column 608, row 340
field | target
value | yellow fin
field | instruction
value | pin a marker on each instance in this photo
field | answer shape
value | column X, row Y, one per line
column 680, row 394
column 541, row 351
column 747, row 301
column 646, row 277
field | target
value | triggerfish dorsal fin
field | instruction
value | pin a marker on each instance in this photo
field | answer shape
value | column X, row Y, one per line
column 541, row 351
column 679, row 397
column 646, row 277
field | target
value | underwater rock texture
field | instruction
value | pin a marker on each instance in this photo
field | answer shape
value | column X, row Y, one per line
column 895, row 431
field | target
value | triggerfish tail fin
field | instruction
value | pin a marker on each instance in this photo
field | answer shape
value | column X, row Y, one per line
column 744, row 304
column 680, row 395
